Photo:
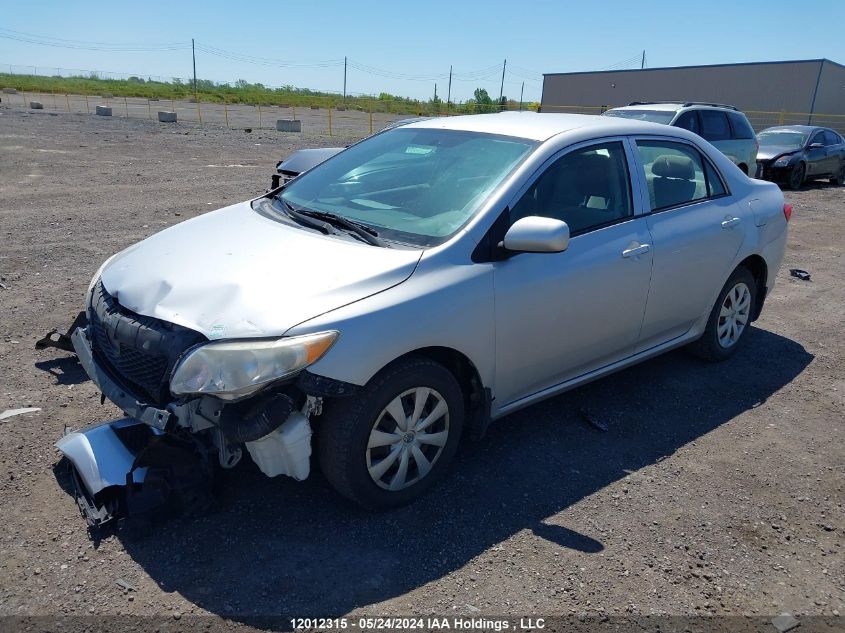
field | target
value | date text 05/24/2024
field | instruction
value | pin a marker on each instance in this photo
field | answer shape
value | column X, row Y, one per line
column 432, row 623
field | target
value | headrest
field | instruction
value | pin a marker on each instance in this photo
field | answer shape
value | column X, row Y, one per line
column 668, row 166
column 595, row 175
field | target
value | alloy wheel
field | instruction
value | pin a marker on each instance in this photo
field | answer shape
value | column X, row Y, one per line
column 734, row 315
column 407, row 438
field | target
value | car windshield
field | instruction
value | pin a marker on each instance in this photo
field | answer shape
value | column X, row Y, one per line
column 655, row 116
column 782, row 139
column 417, row 186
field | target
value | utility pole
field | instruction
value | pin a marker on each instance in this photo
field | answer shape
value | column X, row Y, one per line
column 435, row 92
column 521, row 90
column 194, row 56
column 642, row 65
column 502, row 88
column 449, row 93
column 344, row 78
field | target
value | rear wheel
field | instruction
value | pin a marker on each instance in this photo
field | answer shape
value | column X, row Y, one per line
column 796, row 176
column 729, row 319
column 393, row 440
column 744, row 169
column 839, row 179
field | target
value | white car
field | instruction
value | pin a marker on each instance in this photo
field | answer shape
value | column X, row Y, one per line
column 724, row 126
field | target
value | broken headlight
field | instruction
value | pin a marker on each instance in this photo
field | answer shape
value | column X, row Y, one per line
column 233, row 369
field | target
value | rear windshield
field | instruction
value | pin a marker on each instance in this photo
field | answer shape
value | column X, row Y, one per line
column 655, row 116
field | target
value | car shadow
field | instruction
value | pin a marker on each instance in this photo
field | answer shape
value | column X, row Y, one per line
column 278, row 547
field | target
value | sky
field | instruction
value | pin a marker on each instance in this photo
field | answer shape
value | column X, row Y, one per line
column 406, row 48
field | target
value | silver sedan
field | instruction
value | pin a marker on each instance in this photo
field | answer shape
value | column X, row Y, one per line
column 422, row 283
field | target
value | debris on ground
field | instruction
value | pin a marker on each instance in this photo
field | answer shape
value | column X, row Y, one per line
column 803, row 275
column 125, row 585
column 8, row 413
column 785, row 622
column 589, row 417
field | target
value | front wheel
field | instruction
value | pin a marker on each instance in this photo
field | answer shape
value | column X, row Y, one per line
column 729, row 319
column 796, row 176
column 393, row 440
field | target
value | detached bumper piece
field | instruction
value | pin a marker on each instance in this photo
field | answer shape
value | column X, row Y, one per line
column 127, row 469
column 61, row 339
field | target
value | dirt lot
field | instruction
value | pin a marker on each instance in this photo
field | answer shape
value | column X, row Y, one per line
column 716, row 489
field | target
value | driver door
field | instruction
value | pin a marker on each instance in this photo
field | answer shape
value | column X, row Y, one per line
column 561, row 315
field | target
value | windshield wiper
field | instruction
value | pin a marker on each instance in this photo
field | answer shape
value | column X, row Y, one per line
column 306, row 220
column 366, row 233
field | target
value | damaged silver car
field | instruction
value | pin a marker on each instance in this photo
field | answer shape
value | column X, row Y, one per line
column 407, row 291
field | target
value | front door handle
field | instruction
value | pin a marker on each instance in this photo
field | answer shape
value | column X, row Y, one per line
column 730, row 222
column 636, row 250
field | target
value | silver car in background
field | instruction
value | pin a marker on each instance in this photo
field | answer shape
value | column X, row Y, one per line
column 419, row 284
column 725, row 127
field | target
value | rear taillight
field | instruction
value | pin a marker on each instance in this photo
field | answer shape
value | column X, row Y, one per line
column 787, row 211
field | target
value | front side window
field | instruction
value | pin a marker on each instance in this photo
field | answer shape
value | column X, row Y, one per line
column 411, row 185
column 831, row 138
column 587, row 188
column 676, row 174
column 818, row 137
column 714, row 125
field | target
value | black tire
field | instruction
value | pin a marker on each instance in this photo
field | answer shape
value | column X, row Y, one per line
column 708, row 346
column 839, row 179
column 796, row 177
column 346, row 423
column 744, row 168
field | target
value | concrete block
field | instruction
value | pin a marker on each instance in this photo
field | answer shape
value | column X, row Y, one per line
column 166, row 117
column 36, row 105
column 9, row 91
column 103, row 110
column 289, row 125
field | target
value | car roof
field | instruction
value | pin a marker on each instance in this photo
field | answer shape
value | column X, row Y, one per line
column 662, row 106
column 536, row 126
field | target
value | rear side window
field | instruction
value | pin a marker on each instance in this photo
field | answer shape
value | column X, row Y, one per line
column 677, row 174
column 689, row 121
column 740, row 125
column 714, row 125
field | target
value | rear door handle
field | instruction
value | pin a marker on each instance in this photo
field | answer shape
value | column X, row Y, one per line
column 636, row 250
column 730, row 222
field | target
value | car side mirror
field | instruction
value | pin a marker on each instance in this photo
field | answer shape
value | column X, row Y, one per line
column 535, row 234
column 815, row 145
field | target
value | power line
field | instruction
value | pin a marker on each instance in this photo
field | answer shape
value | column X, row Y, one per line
column 90, row 46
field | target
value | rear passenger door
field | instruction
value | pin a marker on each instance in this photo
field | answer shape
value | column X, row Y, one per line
column 696, row 231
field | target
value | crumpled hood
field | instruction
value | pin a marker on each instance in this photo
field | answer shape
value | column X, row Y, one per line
column 773, row 151
column 234, row 273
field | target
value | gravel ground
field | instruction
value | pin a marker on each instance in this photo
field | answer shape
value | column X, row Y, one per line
column 716, row 489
